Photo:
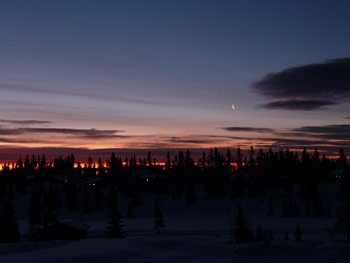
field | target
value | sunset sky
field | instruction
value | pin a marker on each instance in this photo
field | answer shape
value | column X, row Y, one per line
column 133, row 76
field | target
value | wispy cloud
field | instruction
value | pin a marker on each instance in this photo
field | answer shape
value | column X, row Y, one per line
column 247, row 129
column 83, row 132
column 111, row 98
column 191, row 141
column 23, row 140
column 90, row 133
column 24, row 122
column 230, row 137
column 326, row 129
column 329, row 132
column 305, row 105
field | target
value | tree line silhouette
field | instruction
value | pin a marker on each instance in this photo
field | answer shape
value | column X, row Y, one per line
column 262, row 173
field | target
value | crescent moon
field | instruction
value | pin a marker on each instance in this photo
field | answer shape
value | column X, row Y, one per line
column 233, row 106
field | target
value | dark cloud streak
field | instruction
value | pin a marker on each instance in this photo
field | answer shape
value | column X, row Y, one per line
column 90, row 133
column 308, row 87
column 191, row 141
column 247, row 129
column 305, row 105
column 24, row 122
column 326, row 129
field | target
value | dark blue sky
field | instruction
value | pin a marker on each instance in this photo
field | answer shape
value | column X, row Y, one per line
column 170, row 69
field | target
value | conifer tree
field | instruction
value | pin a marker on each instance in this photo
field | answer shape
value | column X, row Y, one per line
column 328, row 210
column 149, row 159
column 70, row 190
column 168, row 162
column 98, row 196
column 251, row 158
column 270, row 210
column 158, row 215
column 342, row 161
column 317, row 207
column 191, row 194
column 115, row 226
column 298, row 234
column 243, row 233
column 130, row 213
column 87, row 201
column 228, row 161
column 54, row 200
column 343, row 220
column 89, row 162
column 267, row 235
column 259, row 234
column 290, row 208
column 35, row 212
column 286, row 236
column 49, row 207
column 43, row 164
column 8, row 226
column 239, row 161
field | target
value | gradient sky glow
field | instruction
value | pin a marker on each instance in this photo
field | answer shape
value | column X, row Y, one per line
column 164, row 74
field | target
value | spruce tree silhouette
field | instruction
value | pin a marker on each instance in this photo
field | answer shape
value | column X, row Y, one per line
column 298, row 234
column 98, row 196
column 270, row 209
column 87, row 200
column 70, row 189
column 89, row 162
column 243, row 232
column 286, row 236
column 49, row 206
column 158, row 221
column 35, row 212
column 130, row 212
column 191, row 194
column 8, row 226
column 115, row 226
column 239, row 161
column 259, row 234
column 251, row 159
column 342, row 160
column 343, row 220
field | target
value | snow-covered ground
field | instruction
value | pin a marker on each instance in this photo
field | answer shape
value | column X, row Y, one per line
column 193, row 233
column 173, row 248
